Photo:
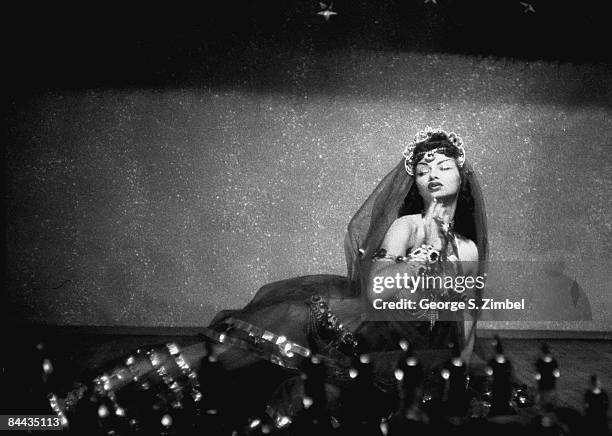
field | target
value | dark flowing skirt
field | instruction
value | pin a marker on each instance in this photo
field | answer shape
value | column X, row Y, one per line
column 321, row 313
column 251, row 362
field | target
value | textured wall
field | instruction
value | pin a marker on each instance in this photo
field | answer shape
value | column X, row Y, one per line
column 161, row 207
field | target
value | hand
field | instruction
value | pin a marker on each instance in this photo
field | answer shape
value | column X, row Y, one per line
column 429, row 231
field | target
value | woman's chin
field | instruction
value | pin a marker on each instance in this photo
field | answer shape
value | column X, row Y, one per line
column 443, row 195
column 436, row 196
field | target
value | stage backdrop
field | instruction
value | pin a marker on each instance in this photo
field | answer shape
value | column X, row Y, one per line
column 159, row 207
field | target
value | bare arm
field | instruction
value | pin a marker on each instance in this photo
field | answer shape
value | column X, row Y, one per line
column 399, row 238
column 406, row 232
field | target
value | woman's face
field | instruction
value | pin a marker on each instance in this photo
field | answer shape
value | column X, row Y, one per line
column 437, row 177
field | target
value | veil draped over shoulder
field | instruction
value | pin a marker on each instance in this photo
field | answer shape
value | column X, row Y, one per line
column 369, row 225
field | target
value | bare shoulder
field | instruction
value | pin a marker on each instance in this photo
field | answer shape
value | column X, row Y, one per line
column 398, row 235
column 403, row 226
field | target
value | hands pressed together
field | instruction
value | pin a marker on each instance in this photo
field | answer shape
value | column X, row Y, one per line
column 429, row 232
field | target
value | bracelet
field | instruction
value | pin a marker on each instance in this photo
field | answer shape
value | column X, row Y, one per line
column 381, row 255
column 426, row 253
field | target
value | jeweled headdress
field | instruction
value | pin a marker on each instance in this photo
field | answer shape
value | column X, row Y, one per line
column 425, row 135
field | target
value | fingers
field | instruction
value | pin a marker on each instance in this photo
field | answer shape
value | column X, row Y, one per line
column 438, row 210
column 434, row 211
column 429, row 231
column 429, row 213
column 421, row 234
column 432, row 223
column 436, row 218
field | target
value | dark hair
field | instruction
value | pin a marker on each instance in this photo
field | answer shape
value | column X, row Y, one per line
column 437, row 140
column 464, row 213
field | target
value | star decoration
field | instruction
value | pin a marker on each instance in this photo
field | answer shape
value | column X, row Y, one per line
column 326, row 11
column 528, row 8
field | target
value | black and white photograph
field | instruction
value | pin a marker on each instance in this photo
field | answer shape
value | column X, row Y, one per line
column 301, row 217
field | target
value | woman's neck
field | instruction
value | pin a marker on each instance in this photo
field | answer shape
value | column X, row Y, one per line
column 448, row 211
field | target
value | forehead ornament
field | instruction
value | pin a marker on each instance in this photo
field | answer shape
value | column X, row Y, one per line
column 425, row 135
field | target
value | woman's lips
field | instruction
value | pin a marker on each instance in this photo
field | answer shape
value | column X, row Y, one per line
column 434, row 186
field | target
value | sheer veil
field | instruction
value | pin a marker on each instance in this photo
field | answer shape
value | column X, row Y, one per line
column 280, row 306
column 369, row 225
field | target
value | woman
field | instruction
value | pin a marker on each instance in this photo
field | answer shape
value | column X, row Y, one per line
column 425, row 218
column 410, row 215
column 423, row 236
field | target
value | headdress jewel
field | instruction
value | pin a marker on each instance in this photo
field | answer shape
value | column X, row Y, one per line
column 423, row 136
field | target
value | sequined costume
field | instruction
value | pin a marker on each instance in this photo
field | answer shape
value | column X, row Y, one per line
column 262, row 347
